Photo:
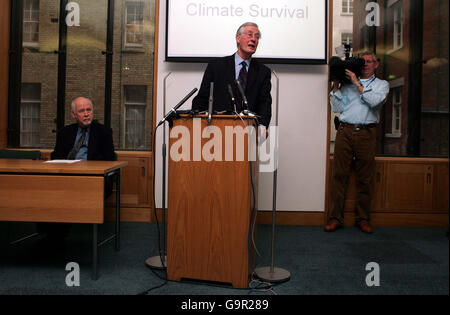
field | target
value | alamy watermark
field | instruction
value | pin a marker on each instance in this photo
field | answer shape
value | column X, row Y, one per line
column 73, row 17
column 373, row 18
column 373, row 277
column 73, row 277
column 229, row 144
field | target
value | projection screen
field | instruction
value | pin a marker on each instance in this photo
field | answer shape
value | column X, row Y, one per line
column 293, row 31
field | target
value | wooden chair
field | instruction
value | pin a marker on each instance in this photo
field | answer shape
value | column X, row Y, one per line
column 20, row 154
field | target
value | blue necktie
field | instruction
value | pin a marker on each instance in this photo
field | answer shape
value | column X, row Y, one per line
column 73, row 153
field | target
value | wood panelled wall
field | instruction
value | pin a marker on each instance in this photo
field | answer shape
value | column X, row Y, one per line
column 407, row 192
column 5, row 11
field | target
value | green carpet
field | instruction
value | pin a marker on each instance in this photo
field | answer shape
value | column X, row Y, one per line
column 412, row 261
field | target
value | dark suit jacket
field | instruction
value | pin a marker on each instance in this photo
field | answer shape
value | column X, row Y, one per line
column 100, row 146
column 221, row 71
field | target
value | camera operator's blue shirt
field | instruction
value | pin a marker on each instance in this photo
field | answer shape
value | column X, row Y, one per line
column 356, row 108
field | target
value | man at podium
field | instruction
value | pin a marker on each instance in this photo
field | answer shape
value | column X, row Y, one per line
column 210, row 201
column 227, row 73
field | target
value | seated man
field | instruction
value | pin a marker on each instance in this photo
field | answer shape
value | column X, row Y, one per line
column 84, row 140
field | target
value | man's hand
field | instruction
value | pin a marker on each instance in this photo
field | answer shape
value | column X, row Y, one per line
column 352, row 77
column 263, row 133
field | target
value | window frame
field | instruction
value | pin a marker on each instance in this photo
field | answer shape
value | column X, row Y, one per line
column 395, row 6
column 132, row 104
column 345, row 9
column 397, row 92
column 31, row 44
column 114, row 32
column 396, row 86
column 30, row 101
column 347, row 37
column 125, row 25
column 398, row 20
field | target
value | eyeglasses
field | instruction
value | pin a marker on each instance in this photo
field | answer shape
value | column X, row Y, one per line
column 251, row 35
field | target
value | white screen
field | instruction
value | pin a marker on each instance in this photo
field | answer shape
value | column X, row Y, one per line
column 293, row 30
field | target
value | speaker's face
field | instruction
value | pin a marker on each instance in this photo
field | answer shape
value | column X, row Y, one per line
column 248, row 41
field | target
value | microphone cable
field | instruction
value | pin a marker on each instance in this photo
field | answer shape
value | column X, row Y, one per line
column 157, row 221
column 253, row 213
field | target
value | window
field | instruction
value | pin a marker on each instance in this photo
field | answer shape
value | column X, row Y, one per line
column 30, row 22
column 135, row 107
column 397, row 11
column 396, row 110
column 30, row 108
column 77, row 68
column 134, row 24
column 347, row 38
column 409, row 43
column 347, row 6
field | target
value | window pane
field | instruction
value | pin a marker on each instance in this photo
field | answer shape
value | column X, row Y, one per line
column 31, row 21
column 135, row 116
column 411, row 43
column 347, row 6
column 133, row 75
column 347, row 38
column 39, row 74
column 132, row 65
column 135, row 94
column 134, row 23
column 86, row 65
column 30, row 115
column 135, row 127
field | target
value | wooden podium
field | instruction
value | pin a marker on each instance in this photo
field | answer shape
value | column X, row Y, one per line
column 210, row 203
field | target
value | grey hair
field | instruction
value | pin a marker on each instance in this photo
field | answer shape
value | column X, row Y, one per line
column 369, row 53
column 72, row 105
column 241, row 28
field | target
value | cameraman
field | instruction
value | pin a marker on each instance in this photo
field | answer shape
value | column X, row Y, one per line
column 359, row 105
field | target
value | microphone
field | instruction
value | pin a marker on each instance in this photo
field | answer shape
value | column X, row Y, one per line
column 244, row 98
column 233, row 101
column 173, row 111
column 210, row 105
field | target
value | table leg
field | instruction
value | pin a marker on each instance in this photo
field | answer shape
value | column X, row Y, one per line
column 117, row 240
column 94, row 251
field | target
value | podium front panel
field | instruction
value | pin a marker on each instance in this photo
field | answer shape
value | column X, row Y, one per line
column 209, row 202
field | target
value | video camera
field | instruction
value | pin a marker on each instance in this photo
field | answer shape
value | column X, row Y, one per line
column 338, row 66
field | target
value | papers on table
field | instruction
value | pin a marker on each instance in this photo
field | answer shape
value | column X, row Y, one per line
column 62, row 161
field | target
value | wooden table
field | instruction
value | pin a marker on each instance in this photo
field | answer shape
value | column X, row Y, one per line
column 36, row 191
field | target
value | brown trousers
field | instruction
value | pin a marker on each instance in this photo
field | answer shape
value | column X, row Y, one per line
column 353, row 147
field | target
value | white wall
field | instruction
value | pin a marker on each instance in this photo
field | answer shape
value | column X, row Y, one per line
column 302, row 122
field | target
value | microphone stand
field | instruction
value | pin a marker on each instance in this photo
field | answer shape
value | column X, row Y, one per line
column 244, row 98
column 273, row 274
column 160, row 261
column 233, row 101
column 210, row 103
